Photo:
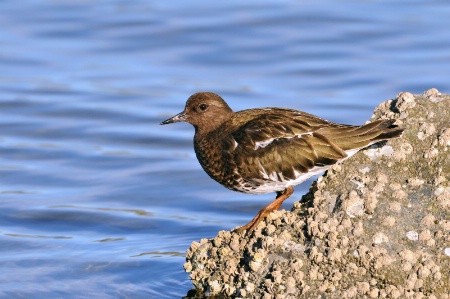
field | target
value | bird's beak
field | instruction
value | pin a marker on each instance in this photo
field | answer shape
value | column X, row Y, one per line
column 179, row 117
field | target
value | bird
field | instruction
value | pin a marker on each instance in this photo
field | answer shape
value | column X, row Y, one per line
column 266, row 150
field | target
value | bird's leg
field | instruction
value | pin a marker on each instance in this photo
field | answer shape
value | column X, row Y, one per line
column 274, row 205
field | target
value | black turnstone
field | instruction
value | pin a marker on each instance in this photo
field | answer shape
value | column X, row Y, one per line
column 267, row 150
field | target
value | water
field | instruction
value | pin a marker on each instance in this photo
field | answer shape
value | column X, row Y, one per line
column 96, row 198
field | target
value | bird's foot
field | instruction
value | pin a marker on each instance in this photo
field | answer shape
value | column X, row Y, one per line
column 262, row 214
column 254, row 222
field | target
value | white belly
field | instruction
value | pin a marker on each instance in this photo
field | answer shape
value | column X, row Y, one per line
column 271, row 182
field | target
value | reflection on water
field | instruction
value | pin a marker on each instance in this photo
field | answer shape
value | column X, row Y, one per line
column 160, row 254
column 137, row 212
column 37, row 237
column 95, row 195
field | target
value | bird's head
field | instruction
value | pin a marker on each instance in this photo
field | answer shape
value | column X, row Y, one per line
column 205, row 111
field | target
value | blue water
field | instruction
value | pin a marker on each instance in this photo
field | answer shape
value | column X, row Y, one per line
column 97, row 200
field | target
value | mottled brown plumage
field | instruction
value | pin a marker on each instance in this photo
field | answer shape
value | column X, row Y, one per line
column 270, row 149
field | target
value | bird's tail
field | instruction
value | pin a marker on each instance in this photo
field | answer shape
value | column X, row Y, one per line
column 386, row 129
column 353, row 137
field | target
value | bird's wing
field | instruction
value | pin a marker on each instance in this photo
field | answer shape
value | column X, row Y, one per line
column 281, row 145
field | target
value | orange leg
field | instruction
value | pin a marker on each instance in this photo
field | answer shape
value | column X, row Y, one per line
column 273, row 206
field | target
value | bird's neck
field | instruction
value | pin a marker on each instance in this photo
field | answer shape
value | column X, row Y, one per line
column 212, row 125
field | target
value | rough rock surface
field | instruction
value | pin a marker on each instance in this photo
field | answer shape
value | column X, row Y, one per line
column 376, row 226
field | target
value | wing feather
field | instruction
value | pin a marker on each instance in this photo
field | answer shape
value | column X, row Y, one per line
column 278, row 145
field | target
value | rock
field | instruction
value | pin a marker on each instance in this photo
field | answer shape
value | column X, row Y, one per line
column 376, row 226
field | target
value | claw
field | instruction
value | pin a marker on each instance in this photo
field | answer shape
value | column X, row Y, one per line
column 262, row 214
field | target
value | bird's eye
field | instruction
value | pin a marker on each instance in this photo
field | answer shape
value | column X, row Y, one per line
column 203, row 107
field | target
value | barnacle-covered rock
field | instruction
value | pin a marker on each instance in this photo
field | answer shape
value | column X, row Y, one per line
column 376, row 226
